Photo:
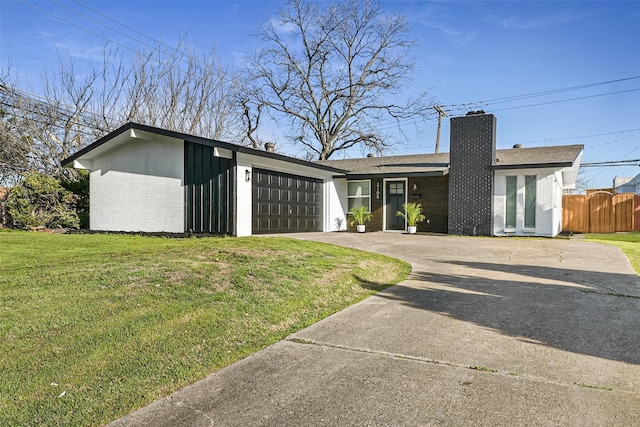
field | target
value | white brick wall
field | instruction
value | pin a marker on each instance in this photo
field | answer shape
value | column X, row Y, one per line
column 139, row 187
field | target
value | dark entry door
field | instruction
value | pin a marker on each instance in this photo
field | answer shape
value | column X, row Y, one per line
column 395, row 196
column 285, row 203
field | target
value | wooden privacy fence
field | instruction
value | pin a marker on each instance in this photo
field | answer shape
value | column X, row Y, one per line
column 600, row 212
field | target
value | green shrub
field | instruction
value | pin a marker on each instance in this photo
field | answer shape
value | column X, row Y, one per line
column 80, row 188
column 39, row 200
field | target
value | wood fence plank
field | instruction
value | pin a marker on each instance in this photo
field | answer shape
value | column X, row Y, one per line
column 574, row 214
column 600, row 212
column 636, row 216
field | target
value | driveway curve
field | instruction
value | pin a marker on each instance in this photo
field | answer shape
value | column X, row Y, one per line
column 485, row 331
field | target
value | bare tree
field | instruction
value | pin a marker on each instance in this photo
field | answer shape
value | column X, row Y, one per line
column 249, row 108
column 14, row 146
column 179, row 91
column 176, row 90
column 36, row 132
column 335, row 74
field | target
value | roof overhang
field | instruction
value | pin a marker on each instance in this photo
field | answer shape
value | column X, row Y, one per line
column 83, row 159
column 130, row 132
column 284, row 164
column 570, row 174
column 569, row 170
column 398, row 174
column 559, row 165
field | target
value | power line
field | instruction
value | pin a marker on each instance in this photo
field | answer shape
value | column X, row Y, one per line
column 551, row 92
column 42, row 102
column 536, row 94
column 21, row 114
column 77, row 26
column 184, row 56
column 22, row 103
column 100, row 23
column 159, row 43
column 567, row 100
column 127, row 27
column 476, row 106
column 611, row 163
column 580, row 137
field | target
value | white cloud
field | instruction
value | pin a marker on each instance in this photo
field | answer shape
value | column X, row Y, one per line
column 439, row 21
column 282, row 27
column 528, row 22
column 72, row 46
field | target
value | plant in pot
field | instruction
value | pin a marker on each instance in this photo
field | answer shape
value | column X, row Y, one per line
column 359, row 216
column 413, row 214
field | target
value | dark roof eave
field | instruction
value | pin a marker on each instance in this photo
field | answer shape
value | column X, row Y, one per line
column 108, row 137
column 196, row 139
column 533, row 166
column 396, row 174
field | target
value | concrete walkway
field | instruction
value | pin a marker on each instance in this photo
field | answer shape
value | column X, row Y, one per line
column 486, row 331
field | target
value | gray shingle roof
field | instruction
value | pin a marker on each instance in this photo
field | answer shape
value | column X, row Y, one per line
column 562, row 155
column 429, row 164
column 438, row 164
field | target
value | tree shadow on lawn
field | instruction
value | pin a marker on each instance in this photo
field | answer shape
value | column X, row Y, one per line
column 572, row 310
column 371, row 286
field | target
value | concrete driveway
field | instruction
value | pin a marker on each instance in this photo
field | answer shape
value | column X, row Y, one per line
column 486, row 331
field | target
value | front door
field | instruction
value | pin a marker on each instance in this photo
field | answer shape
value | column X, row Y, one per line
column 395, row 198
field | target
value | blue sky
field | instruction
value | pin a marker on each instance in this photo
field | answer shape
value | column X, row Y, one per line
column 467, row 53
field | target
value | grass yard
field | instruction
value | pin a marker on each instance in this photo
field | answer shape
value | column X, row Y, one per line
column 628, row 242
column 95, row 326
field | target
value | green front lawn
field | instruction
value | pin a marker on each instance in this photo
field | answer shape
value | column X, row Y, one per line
column 628, row 242
column 95, row 326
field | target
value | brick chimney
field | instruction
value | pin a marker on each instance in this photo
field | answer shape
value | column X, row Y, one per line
column 473, row 151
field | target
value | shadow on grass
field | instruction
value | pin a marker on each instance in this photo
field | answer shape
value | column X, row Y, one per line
column 370, row 285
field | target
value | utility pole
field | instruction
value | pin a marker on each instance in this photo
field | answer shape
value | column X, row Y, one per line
column 441, row 114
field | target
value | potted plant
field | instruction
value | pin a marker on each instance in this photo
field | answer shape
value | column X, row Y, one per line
column 413, row 214
column 359, row 216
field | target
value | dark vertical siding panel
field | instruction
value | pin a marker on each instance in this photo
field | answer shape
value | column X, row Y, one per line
column 214, row 182
column 197, row 202
column 207, row 171
column 223, row 197
column 189, row 177
column 208, row 187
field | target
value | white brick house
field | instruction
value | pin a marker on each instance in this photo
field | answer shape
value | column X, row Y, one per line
column 145, row 179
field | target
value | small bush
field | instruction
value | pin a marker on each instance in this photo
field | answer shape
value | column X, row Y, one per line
column 40, row 200
column 80, row 188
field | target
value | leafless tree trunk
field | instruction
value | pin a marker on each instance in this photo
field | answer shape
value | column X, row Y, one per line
column 335, row 74
column 250, row 109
